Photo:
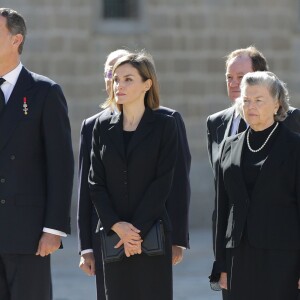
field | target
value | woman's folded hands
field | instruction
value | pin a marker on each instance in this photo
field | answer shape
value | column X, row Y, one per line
column 129, row 237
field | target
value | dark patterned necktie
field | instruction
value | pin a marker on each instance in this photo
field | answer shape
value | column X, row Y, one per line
column 2, row 99
column 242, row 126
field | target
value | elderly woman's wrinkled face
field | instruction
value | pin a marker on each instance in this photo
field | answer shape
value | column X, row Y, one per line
column 258, row 106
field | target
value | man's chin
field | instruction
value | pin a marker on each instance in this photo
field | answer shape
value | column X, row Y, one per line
column 234, row 96
column 232, row 100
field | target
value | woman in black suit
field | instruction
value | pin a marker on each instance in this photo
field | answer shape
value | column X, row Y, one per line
column 132, row 163
column 258, row 212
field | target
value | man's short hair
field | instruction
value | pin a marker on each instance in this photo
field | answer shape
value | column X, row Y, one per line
column 15, row 24
column 259, row 62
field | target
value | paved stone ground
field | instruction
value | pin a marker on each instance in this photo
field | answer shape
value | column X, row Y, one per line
column 190, row 277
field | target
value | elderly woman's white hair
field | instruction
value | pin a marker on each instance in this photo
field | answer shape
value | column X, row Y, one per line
column 275, row 86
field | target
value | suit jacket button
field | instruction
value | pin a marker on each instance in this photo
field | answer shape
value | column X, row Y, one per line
column 2, row 201
column 12, row 157
column 2, row 180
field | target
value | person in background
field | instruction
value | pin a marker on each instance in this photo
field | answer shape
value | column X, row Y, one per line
column 132, row 164
column 228, row 122
column 35, row 146
column 87, row 219
column 257, row 247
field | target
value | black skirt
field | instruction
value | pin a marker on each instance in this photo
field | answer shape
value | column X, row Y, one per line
column 141, row 277
column 262, row 274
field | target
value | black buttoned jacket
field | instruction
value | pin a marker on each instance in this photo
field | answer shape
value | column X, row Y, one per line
column 177, row 203
column 271, row 215
column 36, row 164
column 218, row 129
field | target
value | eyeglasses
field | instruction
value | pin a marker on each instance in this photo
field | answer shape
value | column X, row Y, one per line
column 108, row 74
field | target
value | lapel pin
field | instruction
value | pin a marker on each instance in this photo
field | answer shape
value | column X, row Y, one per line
column 25, row 106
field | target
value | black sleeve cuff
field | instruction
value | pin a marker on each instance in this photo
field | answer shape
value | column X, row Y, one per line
column 214, row 277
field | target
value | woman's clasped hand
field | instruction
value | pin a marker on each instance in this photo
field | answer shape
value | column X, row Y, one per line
column 129, row 237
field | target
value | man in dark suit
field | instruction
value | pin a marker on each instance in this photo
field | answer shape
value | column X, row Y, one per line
column 36, row 167
column 177, row 203
column 227, row 122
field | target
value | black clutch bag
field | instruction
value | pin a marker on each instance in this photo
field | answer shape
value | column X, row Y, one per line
column 153, row 244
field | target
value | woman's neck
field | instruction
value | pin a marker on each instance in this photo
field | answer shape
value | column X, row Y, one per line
column 262, row 127
column 132, row 116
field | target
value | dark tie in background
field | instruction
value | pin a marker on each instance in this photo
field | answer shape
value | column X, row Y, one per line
column 2, row 99
column 242, row 126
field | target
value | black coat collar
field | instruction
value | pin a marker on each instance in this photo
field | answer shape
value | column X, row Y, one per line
column 278, row 154
column 115, row 131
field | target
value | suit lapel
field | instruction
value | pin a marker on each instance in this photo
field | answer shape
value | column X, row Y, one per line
column 272, row 164
column 223, row 131
column 13, row 112
column 237, row 149
column 115, row 133
column 236, row 158
column 143, row 129
column 275, row 158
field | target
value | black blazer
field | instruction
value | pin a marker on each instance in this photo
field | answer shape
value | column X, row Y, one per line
column 272, row 216
column 133, row 186
column 177, row 203
column 87, row 218
column 36, row 164
column 218, row 129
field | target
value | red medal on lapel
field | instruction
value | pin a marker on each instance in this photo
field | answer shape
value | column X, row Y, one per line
column 25, row 106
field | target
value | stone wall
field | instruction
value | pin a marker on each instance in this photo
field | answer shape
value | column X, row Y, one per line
column 188, row 40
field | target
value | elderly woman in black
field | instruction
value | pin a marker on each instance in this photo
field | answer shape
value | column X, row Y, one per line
column 132, row 164
column 258, row 207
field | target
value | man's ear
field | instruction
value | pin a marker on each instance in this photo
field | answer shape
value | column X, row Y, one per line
column 17, row 39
